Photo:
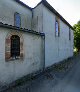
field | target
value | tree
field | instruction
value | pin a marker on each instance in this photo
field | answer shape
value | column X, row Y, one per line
column 77, row 35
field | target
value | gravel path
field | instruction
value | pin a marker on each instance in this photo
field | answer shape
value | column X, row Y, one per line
column 56, row 80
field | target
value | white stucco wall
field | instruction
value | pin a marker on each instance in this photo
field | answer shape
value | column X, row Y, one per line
column 56, row 48
column 37, row 19
column 33, row 57
column 65, row 45
column 7, row 10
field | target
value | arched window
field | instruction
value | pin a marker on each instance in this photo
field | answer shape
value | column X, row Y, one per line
column 57, row 28
column 15, row 46
column 17, row 20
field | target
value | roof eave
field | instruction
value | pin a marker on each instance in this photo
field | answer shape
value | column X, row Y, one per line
column 46, row 4
column 23, row 4
column 21, row 29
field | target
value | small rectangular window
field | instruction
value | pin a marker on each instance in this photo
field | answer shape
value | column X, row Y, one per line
column 17, row 20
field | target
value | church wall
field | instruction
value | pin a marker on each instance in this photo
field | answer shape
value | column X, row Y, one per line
column 37, row 19
column 36, row 52
column 7, row 10
column 33, row 56
column 57, row 48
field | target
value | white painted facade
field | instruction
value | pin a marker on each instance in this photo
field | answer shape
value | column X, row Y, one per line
column 39, row 53
column 33, row 57
column 9, row 7
column 56, row 48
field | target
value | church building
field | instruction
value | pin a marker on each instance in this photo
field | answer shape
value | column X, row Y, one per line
column 31, row 39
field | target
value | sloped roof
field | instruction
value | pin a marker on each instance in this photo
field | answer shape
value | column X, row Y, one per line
column 46, row 4
column 21, row 29
column 23, row 4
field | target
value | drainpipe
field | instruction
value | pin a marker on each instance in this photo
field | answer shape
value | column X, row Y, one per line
column 43, row 42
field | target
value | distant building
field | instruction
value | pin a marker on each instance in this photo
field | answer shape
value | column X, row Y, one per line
column 31, row 39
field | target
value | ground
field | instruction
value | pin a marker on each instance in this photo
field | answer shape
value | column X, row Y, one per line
column 56, row 80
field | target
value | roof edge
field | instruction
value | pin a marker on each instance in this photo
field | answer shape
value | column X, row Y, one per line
column 21, row 29
column 46, row 4
column 23, row 4
column 37, row 4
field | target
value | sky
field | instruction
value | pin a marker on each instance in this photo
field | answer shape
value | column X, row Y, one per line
column 69, row 9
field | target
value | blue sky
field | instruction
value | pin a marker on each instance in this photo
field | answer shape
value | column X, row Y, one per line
column 69, row 9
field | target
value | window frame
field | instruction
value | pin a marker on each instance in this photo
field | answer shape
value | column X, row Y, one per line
column 16, row 13
column 57, row 33
column 16, row 52
column 8, row 47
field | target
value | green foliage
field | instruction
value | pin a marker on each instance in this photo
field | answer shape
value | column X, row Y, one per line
column 77, row 35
